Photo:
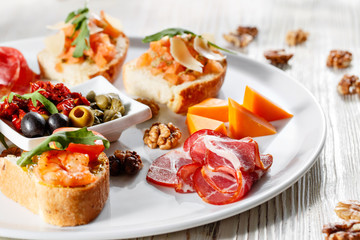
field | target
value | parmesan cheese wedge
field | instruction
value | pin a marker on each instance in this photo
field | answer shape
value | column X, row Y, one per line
column 202, row 47
column 58, row 26
column 181, row 54
column 93, row 28
column 55, row 43
column 114, row 22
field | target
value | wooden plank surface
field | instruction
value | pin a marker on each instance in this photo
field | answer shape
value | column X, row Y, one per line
column 300, row 211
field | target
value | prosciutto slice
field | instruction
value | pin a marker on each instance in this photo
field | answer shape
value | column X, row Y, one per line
column 220, row 169
column 164, row 169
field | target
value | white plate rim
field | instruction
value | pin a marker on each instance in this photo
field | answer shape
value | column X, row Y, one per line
column 225, row 213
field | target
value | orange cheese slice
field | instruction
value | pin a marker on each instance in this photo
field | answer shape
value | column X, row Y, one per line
column 260, row 105
column 214, row 108
column 243, row 123
column 196, row 123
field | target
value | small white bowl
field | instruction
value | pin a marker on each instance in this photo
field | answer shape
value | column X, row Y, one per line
column 136, row 112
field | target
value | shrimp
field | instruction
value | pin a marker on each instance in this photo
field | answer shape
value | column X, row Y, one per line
column 64, row 168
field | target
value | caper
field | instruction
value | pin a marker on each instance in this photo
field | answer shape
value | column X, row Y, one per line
column 81, row 116
column 91, row 96
column 98, row 113
column 117, row 106
column 111, row 115
column 103, row 101
column 96, row 120
column 113, row 95
column 93, row 105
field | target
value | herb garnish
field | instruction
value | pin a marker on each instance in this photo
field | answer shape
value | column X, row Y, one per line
column 35, row 96
column 62, row 141
column 80, row 21
column 171, row 32
column 2, row 140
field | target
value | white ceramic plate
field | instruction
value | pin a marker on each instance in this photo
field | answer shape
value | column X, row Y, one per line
column 135, row 113
column 136, row 208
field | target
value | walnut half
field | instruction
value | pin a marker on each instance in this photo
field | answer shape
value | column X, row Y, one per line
column 342, row 231
column 296, row 37
column 164, row 136
column 349, row 84
column 348, row 210
column 278, row 57
column 339, row 59
column 242, row 37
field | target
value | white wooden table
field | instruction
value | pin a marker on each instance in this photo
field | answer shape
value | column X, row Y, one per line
column 300, row 211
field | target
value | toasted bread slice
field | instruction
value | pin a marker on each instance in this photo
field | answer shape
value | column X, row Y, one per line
column 76, row 73
column 140, row 82
column 62, row 206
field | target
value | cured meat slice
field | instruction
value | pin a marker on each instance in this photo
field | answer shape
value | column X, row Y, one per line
column 15, row 74
column 163, row 170
column 185, row 178
column 9, row 72
column 266, row 160
column 218, row 152
column 219, row 188
column 203, row 132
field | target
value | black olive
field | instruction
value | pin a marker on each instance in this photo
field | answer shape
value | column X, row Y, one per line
column 33, row 125
column 57, row 120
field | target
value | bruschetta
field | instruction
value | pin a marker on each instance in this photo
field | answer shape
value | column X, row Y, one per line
column 85, row 46
column 65, row 187
column 179, row 69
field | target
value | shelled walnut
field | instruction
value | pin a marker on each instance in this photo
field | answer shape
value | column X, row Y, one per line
column 348, row 210
column 11, row 151
column 342, row 231
column 152, row 105
column 296, row 37
column 339, row 59
column 278, row 57
column 349, row 84
column 164, row 136
column 242, row 37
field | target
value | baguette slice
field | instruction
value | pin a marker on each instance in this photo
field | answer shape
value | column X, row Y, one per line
column 140, row 82
column 74, row 74
column 56, row 205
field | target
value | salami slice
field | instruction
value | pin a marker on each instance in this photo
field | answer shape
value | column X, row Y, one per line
column 15, row 74
column 164, row 169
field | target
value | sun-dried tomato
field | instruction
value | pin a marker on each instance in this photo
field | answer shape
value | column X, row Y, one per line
column 65, row 106
column 16, row 119
column 59, row 94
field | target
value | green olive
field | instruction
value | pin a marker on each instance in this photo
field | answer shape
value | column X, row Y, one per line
column 81, row 116
column 91, row 96
column 103, row 101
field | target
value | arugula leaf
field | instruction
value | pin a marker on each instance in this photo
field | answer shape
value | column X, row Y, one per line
column 79, row 20
column 2, row 140
column 82, row 40
column 62, row 141
column 171, row 32
column 36, row 96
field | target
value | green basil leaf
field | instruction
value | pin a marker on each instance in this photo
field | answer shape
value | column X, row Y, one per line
column 62, row 141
